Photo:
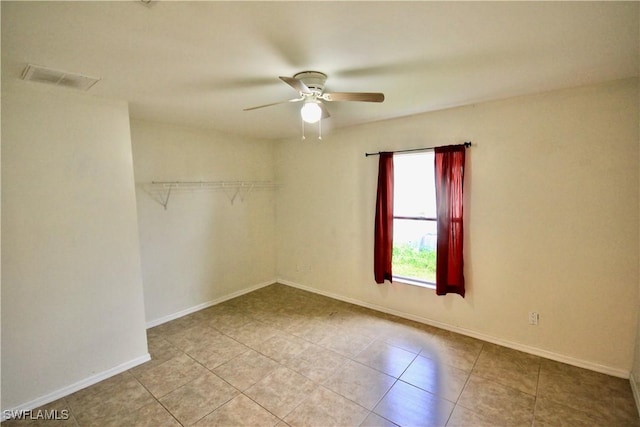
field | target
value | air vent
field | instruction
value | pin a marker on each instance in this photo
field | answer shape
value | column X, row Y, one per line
column 40, row 74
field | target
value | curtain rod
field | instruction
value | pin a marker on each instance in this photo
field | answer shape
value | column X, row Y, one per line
column 466, row 144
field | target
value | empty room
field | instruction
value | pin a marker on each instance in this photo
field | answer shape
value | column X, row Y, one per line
column 320, row 213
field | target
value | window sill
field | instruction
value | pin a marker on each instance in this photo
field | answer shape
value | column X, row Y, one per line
column 408, row 281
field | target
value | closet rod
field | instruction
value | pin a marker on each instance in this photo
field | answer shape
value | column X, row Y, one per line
column 466, row 144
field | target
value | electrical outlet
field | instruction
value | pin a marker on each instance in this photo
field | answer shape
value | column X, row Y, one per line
column 533, row 318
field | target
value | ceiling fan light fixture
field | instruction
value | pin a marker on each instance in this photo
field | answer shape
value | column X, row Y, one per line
column 311, row 112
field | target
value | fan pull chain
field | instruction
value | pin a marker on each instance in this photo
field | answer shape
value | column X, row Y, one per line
column 319, row 129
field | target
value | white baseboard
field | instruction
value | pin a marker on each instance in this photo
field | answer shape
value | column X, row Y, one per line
column 621, row 373
column 173, row 316
column 65, row 391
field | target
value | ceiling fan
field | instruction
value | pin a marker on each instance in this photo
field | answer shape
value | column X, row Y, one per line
column 310, row 87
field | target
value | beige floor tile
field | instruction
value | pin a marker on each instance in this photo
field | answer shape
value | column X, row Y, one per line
column 407, row 337
column 240, row 411
column 437, row 378
column 282, row 348
column 151, row 415
column 120, row 394
column 508, row 367
column 489, row 399
column 354, row 322
column 252, row 334
column 217, row 310
column 281, row 391
column 227, row 320
column 256, row 309
column 219, row 350
column 626, row 411
column 325, row 408
column 580, row 389
column 613, row 385
column 407, row 405
column 313, row 330
column 102, row 388
column 317, row 363
column 160, row 351
column 453, row 349
column 374, row 325
column 345, row 343
column 175, row 326
column 198, row 398
column 461, row 417
column 549, row 412
column 193, row 338
column 280, row 317
column 160, row 348
column 170, row 375
column 246, row 369
column 385, row 358
column 361, row 384
column 375, row 420
column 35, row 420
column 294, row 319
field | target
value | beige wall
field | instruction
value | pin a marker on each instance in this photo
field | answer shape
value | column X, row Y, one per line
column 72, row 306
column 551, row 220
column 202, row 247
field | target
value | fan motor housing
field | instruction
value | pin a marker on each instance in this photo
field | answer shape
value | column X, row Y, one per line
column 314, row 80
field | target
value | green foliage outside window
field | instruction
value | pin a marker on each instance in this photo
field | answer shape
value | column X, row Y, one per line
column 413, row 263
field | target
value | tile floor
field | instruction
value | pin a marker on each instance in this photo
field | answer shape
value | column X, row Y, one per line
column 280, row 356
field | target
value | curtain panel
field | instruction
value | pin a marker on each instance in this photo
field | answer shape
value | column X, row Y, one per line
column 449, row 173
column 383, row 244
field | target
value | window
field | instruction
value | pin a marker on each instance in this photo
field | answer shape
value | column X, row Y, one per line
column 414, row 219
column 415, row 206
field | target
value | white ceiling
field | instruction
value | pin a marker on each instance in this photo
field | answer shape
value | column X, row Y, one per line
column 200, row 63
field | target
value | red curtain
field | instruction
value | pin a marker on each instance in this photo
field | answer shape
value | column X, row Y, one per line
column 383, row 245
column 449, row 170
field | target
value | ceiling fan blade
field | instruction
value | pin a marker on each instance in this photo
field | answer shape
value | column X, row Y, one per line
column 354, row 96
column 325, row 112
column 296, row 84
column 273, row 103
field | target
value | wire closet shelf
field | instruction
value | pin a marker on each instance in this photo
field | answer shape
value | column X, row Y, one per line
column 162, row 190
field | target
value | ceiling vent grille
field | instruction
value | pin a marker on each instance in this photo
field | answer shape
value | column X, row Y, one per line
column 40, row 74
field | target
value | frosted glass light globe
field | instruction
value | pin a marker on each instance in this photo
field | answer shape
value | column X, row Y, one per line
column 311, row 112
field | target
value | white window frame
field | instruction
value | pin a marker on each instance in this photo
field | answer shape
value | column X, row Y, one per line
column 410, row 280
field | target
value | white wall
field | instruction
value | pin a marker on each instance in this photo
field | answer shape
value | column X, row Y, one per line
column 551, row 221
column 202, row 247
column 72, row 306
